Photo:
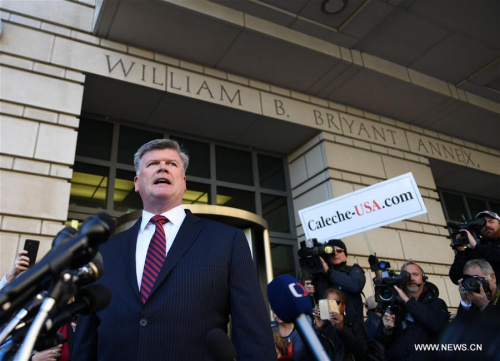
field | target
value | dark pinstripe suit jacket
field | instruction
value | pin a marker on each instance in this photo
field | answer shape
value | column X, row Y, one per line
column 208, row 275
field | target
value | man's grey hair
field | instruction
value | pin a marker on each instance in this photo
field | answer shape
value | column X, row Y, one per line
column 483, row 265
column 409, row 262
column 160, row 144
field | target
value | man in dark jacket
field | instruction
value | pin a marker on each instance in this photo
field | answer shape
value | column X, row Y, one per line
column 477, row 319
column 488, row 247
column 419, row 319
column 348, row 279
column 486, row 298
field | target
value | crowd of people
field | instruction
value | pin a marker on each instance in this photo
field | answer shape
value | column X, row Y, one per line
column 400, row 329
column 171, row 286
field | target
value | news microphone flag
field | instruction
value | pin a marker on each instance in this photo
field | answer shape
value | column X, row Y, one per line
column 291, row 303
column 288, row 298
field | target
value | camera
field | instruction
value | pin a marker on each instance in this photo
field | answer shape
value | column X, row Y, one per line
column 472, row 283
column 309, row 253
column 386, row 280
column 460, row 238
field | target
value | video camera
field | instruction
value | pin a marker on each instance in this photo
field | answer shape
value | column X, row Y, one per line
column 460, row 238
column 309, row 253
column 386, row 280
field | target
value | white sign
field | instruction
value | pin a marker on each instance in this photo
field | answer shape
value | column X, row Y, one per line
column 383, row 203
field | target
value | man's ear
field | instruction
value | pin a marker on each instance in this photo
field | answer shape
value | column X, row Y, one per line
column 136, row 184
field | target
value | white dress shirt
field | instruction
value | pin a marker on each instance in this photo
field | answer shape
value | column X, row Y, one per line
column 175, row 218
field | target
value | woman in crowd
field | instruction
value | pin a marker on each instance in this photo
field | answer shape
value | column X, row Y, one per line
column 341, row 338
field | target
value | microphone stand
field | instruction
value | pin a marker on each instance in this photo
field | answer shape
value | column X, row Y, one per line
column 61, row 288
column 310, row 339
column 20, row 315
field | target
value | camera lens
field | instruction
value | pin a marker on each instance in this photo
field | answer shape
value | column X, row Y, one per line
column 386, row 294
column 471, row 284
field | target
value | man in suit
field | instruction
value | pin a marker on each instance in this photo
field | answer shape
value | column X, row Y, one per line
column 208, row 275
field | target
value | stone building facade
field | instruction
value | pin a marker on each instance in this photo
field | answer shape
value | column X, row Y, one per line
column 48, row 51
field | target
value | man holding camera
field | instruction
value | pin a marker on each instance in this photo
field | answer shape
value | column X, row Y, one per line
column 418, row 318
column 349, row 279
column 488, row 248
column 478, row 288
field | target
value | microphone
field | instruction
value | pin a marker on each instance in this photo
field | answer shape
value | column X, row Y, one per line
column 64, row 235
column 90, row 272
column 289, row 300
column 90, row 299
column 220, row 346
column 21, row 314
column 75, row 253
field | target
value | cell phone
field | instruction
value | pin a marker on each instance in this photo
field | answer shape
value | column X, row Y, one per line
column 324, row 310
column 333, row 306
column 31, row 246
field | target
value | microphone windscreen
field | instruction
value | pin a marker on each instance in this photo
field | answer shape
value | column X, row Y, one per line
column 219, row 345
column 288, row 298
column 98, row 228
column 98, row 297
column 64, row 235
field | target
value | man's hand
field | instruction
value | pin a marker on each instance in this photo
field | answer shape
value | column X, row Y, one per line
column 464, row 295
column 401, row 294
column 479, row 299
column 472, row 241
column 325, row 265
column 20, row 265
column 388, row 320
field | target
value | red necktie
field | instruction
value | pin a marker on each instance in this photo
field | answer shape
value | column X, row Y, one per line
column 154, row 258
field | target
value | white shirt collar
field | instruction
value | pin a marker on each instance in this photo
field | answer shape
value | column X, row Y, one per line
column 175, row 215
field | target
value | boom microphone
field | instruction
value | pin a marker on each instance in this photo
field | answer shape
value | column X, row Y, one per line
column 220, row 346
column 289, row 300
column 75, row 253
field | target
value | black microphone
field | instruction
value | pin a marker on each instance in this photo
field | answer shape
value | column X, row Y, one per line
column 35, row 302
column 89, row 299
column 289, row 300
column 220, row 346
column 64, row 235
column 75, row 253
column 90, row 272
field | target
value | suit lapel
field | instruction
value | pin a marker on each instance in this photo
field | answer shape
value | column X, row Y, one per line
column 189, row 231
column 129, row 258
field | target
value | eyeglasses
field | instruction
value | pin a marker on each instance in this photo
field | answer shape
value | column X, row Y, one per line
column 339, row 250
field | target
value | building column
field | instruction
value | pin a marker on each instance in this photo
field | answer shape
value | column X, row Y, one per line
column 39, row 109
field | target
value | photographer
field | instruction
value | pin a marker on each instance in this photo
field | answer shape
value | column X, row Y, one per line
column 336, row 274
column 417, row 318
column 488, row 248
column 478, row 289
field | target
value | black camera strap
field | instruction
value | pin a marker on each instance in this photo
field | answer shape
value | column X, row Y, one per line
column 497, row 296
